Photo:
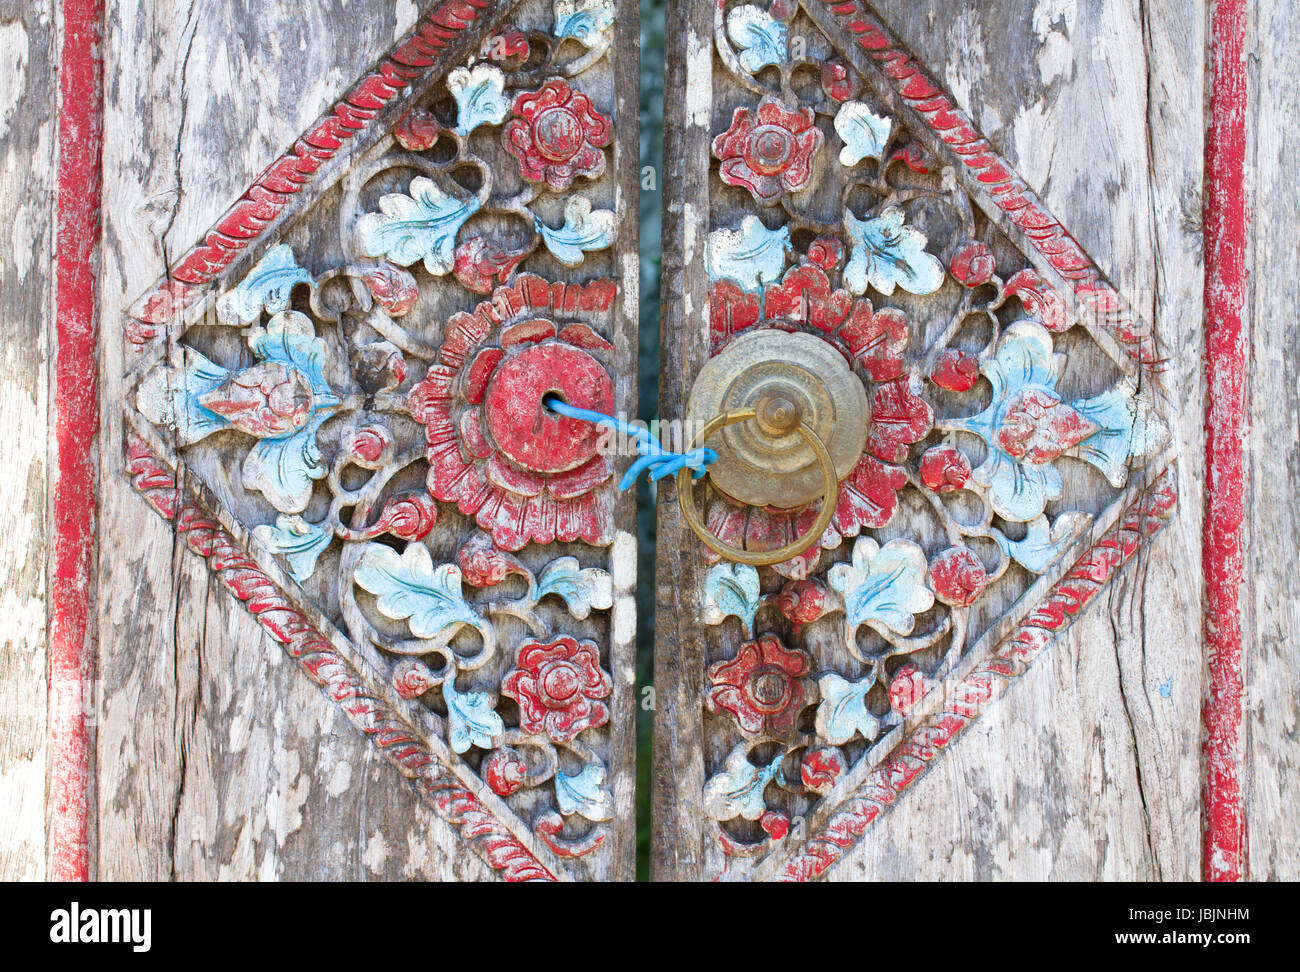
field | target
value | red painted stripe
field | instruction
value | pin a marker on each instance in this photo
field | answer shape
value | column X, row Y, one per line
column 76, row 422
column 1225, row 428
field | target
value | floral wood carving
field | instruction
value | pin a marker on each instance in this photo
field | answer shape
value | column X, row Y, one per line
column 1015, row 430
column 358, row 416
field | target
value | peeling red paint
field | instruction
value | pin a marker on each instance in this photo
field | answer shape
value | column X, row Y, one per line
column 76, row 422
column 1225, row 428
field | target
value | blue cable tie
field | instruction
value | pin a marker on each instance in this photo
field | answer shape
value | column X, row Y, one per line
column 654, row 456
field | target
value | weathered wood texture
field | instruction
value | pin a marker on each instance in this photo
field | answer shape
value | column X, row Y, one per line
column 1090, row 766
column 27, row 148
column 1270, row 600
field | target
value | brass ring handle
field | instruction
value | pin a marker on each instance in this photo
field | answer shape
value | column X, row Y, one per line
column 760, row 558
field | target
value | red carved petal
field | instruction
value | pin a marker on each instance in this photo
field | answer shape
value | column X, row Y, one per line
column 868, row 496
column 898, row 418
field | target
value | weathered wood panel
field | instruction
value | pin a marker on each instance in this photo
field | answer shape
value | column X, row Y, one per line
column 1270, row 599
column 27, row 151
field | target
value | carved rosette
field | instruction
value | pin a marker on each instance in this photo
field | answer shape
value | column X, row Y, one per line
column 375, row 422
column 985, row 456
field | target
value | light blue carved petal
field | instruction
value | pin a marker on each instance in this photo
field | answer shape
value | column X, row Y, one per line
column 1130, row 432
column 584, row 794
column 842, row 712
column 421, row 226
column 863, row 132
column 290, row 339
column 283, row 469
column 760, row 38
column 737, row 791
column 410, row 588
column 1043, row 544
column 165, row 401
column 731, row 590
column 1025, row 358
column 471, row 720
column 752, row 256
column 268, row 285
column 1017, row 491
column 886, row 254
column 584, row 20
column 884, row 584
column 584, row 230
column 581, row 588
column 480, row 97
column 297, row 541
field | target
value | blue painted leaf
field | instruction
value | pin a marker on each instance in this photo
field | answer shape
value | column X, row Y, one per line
column 737, row 791
column 267, row 286
column 421, row 226
column 410, row 588
column 587, row 21
column 471, row 720
column 731, row 590
column 581, row 588
column 751, row 256
column 761, row 39
column 842, row 712
column 1130, row 432
column 884, row 584
column 863, row 132
column 584, row 230
column 480, row 96
column 297, row 541
column 1043, row 544
column 283, row 469
column 1017, row 491
column 164, row 400
column 584, row 794
column 290, row 339
column 886, row 254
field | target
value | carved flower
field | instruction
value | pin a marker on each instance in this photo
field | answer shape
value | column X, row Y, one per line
column 958, row 576
column 873, row 341
column 559, row 687
column 769, row 150
column 526, row 474
column 266, row 400
column 765, row 686
column 558, row 135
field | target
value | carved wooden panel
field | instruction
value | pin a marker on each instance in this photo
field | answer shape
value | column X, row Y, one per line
column 336, row 398
column 1019, row 451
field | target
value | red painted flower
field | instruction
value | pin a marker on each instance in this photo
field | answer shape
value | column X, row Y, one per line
column 873, row 341
column 944, row 468
column 908, row 687
column 765, row 686
column 956, row 370
column 265, row 400
column 770, row 150
column 1037, row 427
column 958, row 576
column 525, row 474
column 558, row 135
column 972, row 264
column 505, row 770
column 559, row 687
column 822, row 768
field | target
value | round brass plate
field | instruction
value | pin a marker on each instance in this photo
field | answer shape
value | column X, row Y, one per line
column 786, row 378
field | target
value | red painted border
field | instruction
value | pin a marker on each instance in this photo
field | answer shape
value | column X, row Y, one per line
column 76, row 422
column 1225, row 428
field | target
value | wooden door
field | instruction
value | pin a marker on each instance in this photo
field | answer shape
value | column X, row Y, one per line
column 367, row 606
column 991, row 663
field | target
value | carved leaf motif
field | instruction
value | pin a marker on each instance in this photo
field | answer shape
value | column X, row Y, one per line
column 471, row 720
column 864, row 133
column 737, row 791
column 410, row 589
column 267, row 286
column 884, row 584
column 886, row 254
column 421, row 226
column 584, row 230
column 584, row 793
column 843, row 712
column 1043, row 544
column 752, row 256
column 762, row 40
column 297, row 541
column 587, row 21
column 1129, row 431
column 581, row 588
column 480, row 96
column 731, row 590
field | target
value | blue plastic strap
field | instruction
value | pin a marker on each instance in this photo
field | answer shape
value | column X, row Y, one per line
column 654, row 456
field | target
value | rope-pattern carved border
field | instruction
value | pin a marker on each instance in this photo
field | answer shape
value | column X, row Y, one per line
column 1008, row 190
column 304, row 643
column 966, row 700
column 272, row 192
